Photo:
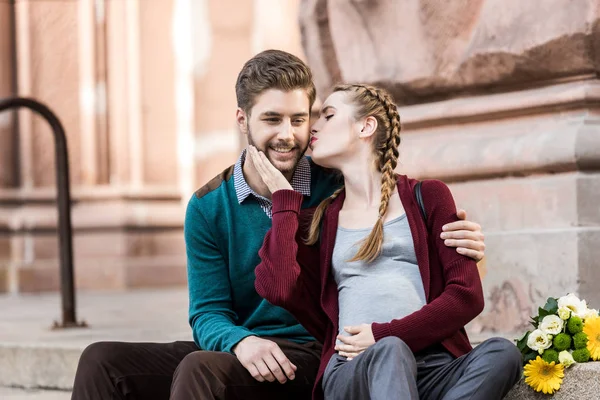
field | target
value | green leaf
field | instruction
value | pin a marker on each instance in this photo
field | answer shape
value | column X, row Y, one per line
column 532, row 355
column 542, row 313
column 522, row 343
column 535, row 321
column 551, row 305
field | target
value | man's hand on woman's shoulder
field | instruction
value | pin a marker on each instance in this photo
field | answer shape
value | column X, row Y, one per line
column 466, row 236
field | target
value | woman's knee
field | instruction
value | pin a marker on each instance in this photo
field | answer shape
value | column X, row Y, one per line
column 392, row 347
column 502, row 352
column 392, row 344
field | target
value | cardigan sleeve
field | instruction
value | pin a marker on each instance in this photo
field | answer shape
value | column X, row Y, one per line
column 462, row 299
column 288, row 275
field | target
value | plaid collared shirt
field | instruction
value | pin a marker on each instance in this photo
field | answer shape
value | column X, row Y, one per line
column 300, row 183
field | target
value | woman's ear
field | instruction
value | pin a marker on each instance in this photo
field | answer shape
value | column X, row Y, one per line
column 241, row 118
column 369, row 127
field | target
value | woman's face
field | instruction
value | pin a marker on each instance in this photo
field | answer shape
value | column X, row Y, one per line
column 335, row 135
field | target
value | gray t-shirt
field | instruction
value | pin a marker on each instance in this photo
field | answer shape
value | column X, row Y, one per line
column 389, row 288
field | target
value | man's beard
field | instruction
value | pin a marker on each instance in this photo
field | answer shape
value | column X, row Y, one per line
column 280, row 144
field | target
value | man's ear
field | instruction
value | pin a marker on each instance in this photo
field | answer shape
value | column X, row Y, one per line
column 369, row 127
column 241, row 118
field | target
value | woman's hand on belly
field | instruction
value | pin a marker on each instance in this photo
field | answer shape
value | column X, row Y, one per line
column 360, row 339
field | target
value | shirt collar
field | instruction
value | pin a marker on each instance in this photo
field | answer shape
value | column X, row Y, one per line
column 300, row 180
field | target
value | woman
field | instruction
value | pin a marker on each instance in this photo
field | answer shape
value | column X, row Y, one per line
column 373, row 281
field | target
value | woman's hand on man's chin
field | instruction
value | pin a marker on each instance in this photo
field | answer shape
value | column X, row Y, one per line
column 270, row 175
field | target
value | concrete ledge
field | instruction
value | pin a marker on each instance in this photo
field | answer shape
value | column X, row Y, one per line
column 33, row 394
column 581, row 382
column 34, row 356
column 38, row 367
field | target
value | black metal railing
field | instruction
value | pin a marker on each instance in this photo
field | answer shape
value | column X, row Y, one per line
column 65, row 234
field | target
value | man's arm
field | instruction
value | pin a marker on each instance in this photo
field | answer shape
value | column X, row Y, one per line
column 211, row 314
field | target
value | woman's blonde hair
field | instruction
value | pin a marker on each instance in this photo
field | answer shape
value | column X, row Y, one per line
column 375, row 102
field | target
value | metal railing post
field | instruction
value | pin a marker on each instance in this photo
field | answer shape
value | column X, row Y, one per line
column 65, row 234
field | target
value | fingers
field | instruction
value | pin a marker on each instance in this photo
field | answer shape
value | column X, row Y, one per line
column 254, row 372
column 474, row 254
column 257, row 161
column 461, row 214
column 347, row 348
column 471, row 235
column 285, row 364
column 467, row 244
column 264, row 371
column 352, row 329
column 275, row 369
column 348, row 355
column 346, row 339
column 461, row 225
column 264, row 360
column 260, row 160
column 266, row 163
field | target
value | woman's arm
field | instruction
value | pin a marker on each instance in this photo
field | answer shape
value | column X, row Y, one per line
column 462, row 299
column 288, row 275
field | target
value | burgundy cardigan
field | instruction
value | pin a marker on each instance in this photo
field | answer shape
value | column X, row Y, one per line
column 298, row 277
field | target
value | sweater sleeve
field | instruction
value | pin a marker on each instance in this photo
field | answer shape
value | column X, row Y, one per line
column 462, row 299
column 288, row 275
column 211, row 313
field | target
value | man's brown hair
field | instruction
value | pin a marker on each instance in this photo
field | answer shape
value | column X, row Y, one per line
column 272, row 69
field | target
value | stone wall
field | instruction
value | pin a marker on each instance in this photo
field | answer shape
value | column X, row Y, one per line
column 500, row 99
column 145, row 91
column 423, row 50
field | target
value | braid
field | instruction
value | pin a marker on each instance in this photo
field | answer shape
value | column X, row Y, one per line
column 315, row 225
column 386, row 147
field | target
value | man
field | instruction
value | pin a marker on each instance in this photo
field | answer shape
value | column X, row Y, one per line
column 244, row 347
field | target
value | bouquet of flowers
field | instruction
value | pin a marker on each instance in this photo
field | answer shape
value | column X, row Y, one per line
column 566, row 332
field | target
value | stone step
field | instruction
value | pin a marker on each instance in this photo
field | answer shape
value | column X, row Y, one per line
column 54, row 368
column 32, row 355
column 38, row 366
column 9, row 393
column 581, row 382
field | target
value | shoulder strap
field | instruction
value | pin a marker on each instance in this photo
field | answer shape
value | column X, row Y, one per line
column 419, row 197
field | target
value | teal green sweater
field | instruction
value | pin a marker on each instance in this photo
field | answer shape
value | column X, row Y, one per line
column 222, row 240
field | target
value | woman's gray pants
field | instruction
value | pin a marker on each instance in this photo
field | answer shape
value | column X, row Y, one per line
column 389, row 370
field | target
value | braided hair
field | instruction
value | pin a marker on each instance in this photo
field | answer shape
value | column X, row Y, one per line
column 376, row 102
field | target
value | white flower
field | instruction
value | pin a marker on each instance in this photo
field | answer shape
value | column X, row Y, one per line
column 572, row 302
column 564, row 313
column 552, row 325
column 591, row 312
column 565, row 358
column 539, row 341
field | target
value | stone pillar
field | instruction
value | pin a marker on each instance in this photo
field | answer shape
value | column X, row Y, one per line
column 229, row 46
column 107, row 70
column 252, row 26
column 500, row 100
column 49, row 39
column 8, row 132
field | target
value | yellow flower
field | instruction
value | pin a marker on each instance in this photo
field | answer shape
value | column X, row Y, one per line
column 544, row 377
column 592, row 330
